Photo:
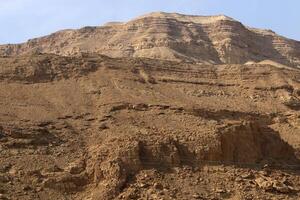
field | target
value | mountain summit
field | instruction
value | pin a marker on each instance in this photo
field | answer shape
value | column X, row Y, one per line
column 170, row 36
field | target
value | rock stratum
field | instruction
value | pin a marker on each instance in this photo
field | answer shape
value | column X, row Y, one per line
column 84, row 125
column 204, row 39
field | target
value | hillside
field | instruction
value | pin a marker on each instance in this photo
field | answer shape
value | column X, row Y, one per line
column 84, row 118
column 204, row 39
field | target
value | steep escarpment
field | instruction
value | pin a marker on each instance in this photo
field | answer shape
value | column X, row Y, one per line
column 165, row 106
column 204, row 39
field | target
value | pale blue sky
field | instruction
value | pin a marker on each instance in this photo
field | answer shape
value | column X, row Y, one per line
column 24, row 19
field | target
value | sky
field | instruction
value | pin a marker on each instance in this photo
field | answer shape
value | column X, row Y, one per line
column 21, row 20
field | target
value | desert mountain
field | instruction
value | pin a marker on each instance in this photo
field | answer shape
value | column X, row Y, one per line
column 79, row 125
column 205, row 39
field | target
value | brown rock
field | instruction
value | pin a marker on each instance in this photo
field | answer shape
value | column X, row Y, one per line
column 216, row 39
column 264, row 184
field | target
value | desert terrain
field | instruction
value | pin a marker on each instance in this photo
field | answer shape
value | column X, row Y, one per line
column 169, row 107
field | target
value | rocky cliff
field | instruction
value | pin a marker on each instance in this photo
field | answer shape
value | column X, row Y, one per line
column 78, row 125
column 205, row 39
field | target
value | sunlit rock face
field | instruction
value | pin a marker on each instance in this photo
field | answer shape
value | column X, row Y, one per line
column 170, row 36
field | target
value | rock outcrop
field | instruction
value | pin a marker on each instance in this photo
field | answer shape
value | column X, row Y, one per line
column 76, row 124
column 170, row 36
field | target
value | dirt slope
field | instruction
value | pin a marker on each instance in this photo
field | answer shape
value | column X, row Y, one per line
column 94, row 127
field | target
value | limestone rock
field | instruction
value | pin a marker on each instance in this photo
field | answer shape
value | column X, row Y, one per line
column 204, row 39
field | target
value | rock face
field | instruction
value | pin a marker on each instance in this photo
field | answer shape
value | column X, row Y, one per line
column 92, row 127
column 76, row 124
column 205, row 39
